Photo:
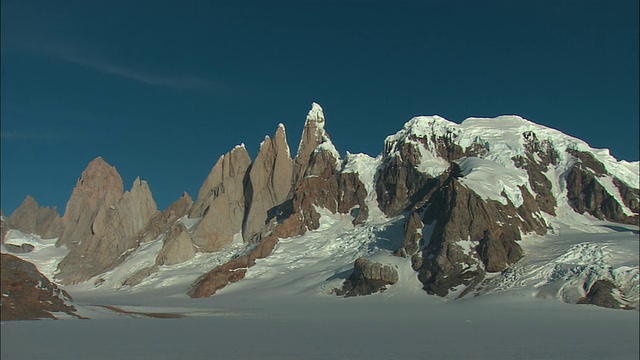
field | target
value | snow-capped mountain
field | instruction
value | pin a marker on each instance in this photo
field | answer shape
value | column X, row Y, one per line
column 485, row 206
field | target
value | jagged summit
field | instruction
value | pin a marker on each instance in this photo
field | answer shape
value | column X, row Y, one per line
column 464, row 195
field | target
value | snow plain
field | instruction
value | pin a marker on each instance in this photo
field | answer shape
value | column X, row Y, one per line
column 283, row 309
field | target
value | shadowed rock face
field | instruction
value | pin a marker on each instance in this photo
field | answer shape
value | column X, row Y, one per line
column 412, row 235
column 221, row 202
column 400, row 183
column 472, row 235
column 368, row 277
column 586, row 194
column 99, row 230
column 538, row 156
column 33, row 219
column 29, row 295
column 601, row 294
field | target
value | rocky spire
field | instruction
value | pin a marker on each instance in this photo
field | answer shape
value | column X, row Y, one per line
column 269, row 182
column 221, row 202
column 99, row 186
column 313, row 134
column 33, row 219
column 102, row 222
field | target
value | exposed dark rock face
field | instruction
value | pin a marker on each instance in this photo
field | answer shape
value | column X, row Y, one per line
column 538, row 156
column 589, row 161
column 352, row 192
column 400, row 183
column 368, row 277
column 412, row 235
column 29, row 295
column 630, row 196
column 231, row 271
column 470, row 232
column 601, row 294
column 586, row 194
column 33, row 219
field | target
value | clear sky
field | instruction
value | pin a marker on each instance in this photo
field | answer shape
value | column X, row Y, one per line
column 161, row 89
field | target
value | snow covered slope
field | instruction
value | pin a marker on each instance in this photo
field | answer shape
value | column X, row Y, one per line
column 505, row 206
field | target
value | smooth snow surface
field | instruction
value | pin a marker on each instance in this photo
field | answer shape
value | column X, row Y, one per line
column 284, row 308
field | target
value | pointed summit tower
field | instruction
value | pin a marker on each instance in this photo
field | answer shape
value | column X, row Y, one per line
column 313, row 135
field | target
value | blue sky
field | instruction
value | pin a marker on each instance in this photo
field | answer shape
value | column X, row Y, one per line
column 162, row 89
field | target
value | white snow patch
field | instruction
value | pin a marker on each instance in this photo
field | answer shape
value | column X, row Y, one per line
column 45, row 255
column 490, row 179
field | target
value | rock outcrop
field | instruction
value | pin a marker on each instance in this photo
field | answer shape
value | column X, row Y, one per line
column 231, row 271
column 161, row 222
column 221, row 202
column 177, row 246
column 471, row 236
column 412, row 235
column 539, row 155
column 586, row 192
column 269, row 183
column 101, row 229
column 601, row 293
column 368, row 277
column 29, row 295
column 33, row 219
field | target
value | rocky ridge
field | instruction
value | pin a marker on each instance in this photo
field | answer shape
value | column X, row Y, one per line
column 467, row 193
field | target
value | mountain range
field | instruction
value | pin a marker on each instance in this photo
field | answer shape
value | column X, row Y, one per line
column 448, row 205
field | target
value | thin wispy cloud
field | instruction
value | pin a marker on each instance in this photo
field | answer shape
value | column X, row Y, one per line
column 16, row 135
column 170, row 81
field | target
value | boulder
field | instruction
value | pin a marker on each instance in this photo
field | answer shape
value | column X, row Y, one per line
column 368, row 277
